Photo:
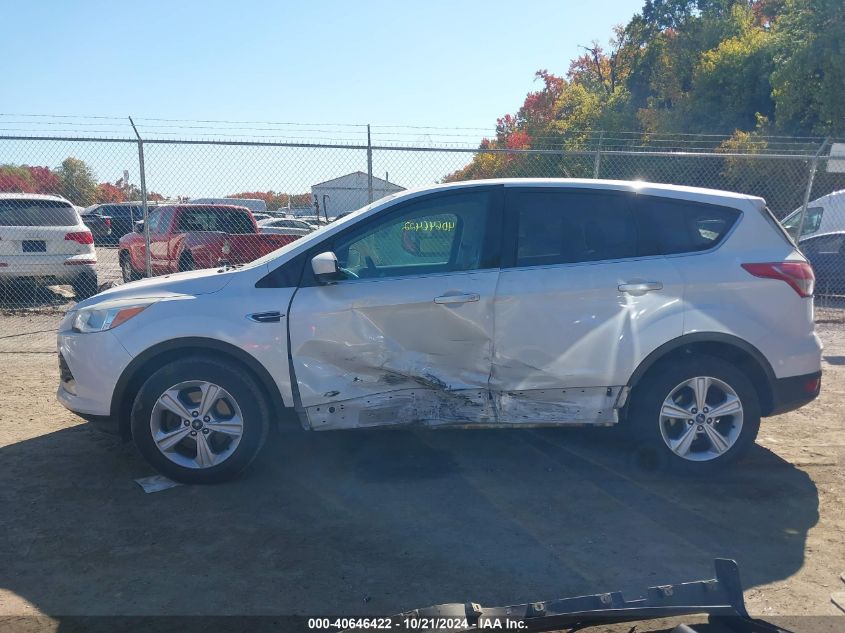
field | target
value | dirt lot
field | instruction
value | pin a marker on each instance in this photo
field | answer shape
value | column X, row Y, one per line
column 381, row 522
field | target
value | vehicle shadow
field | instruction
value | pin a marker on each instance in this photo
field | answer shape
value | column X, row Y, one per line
column 25, row 295
column 382, row 522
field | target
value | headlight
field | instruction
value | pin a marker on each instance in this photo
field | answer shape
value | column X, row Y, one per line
column 100, row 319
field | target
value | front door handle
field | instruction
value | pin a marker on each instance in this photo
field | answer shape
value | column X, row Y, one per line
column 640, row 287
column 273, row 316
column 463, row 298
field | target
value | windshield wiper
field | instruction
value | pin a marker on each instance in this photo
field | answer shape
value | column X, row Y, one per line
column 720, row 597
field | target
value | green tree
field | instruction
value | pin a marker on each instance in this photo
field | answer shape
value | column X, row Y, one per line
column 78, row 182
column 809, row 82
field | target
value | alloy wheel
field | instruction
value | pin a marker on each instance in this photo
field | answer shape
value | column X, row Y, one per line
column 196, row 424
column 701, row 418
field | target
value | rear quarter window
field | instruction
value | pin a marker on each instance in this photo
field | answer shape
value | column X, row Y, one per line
column 668, row 226
column 25, row 212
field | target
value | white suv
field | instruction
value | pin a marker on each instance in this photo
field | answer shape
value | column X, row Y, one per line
column 43, row 239
column 681, row 314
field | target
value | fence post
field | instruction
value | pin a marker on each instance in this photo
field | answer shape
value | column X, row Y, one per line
column 597, row 159
column 369, row 166
column 147, row 263
column 814, row 163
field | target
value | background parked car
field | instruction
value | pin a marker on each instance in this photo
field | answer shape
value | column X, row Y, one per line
column 43, row 239
column 284, row 226
column 99, row 225
column 824, row 215
column 121, row 220
column 826, row 253
column 193, row 236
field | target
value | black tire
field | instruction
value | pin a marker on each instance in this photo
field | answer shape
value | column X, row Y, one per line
column 644, row 420
column 186, row 262
column 231, row 377
column 126, row 269
column 85, row 286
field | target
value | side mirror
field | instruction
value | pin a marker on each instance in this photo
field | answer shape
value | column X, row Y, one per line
column 325, row 267
column 139, row 226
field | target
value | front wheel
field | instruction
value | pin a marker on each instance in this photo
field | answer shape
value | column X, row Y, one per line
column 698, row 415
column 199, row 420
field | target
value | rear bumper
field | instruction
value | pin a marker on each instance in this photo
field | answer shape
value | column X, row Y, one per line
column 64, row 269
column 794, row 392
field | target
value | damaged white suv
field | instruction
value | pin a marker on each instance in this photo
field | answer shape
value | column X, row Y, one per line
column 684, row 314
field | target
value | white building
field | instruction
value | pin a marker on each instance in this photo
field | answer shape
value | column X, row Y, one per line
column 348, row 193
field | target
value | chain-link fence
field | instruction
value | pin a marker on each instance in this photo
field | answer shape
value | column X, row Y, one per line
column 73, row 208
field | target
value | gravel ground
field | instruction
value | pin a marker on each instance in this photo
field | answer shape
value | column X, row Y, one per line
column 381, row 522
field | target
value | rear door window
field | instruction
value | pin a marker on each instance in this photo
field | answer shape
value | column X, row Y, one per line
column 668, row 226
column 23, row 212
column 570, row 226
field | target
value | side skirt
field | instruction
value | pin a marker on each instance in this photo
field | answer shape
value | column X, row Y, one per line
column 470, row 408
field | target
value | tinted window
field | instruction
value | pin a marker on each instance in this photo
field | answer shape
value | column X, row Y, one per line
column 439, row 234
column 119, row 211
column 669, row 226
column 25, row 212
column 558, row 227
column 210, row 219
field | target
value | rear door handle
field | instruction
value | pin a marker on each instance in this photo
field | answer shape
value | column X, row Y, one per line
column 464, row 298
column 640, row 287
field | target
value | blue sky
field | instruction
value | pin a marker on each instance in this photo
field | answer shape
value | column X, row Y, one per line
column 432, row 63
column 424, row 63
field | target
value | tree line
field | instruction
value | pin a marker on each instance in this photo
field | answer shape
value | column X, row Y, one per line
column 75, row 181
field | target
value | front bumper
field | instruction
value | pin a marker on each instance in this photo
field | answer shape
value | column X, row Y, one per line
column 794, row 392
column 93, row 363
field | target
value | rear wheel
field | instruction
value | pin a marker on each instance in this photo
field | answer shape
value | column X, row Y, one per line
column 697, row 415
column 199, row 420
column 127, row 270
column 85, row 285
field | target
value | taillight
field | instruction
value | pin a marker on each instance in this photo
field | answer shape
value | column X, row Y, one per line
column 799, row 275
column 81, row 237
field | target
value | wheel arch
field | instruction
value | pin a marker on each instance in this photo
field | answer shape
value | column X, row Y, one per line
column 148, row 361
column 719, row 345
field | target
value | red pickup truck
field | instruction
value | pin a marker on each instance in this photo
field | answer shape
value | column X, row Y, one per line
column 190, row 236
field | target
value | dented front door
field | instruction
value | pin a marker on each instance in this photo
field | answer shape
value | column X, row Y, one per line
column 406, row 337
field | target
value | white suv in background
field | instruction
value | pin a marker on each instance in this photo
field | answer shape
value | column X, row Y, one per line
column 43, row 239
column 682, row 314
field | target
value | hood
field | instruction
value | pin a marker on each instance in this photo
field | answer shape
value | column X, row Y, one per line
column 191, row 283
